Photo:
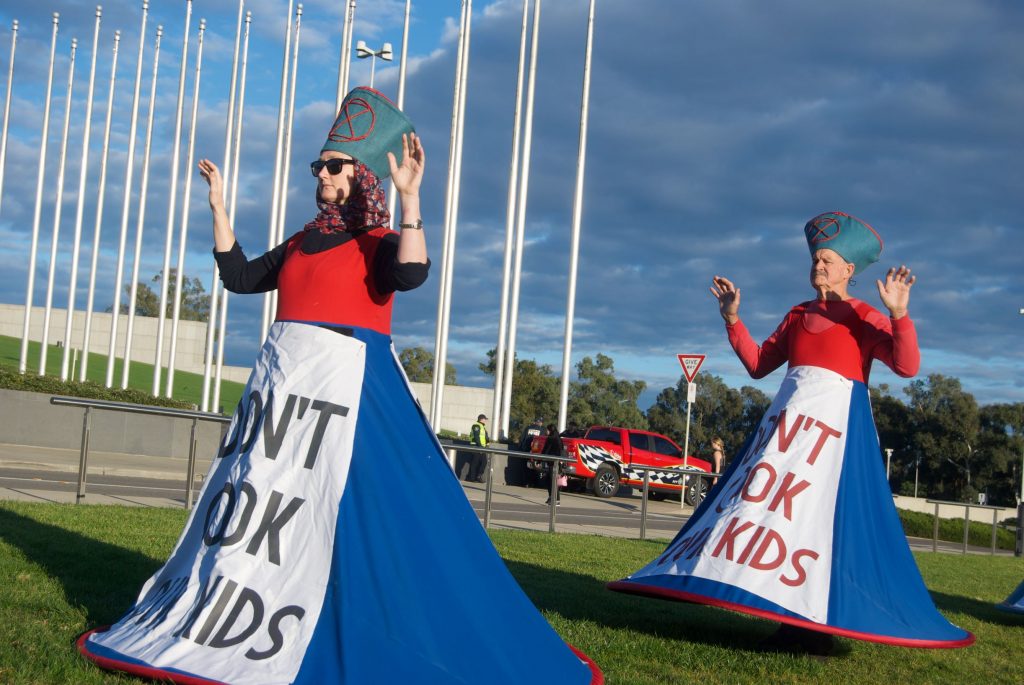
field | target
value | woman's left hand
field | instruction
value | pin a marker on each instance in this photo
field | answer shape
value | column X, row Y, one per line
column 408, row 176
column 895, row 292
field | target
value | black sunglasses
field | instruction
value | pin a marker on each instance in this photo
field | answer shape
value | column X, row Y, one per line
column 334, row 166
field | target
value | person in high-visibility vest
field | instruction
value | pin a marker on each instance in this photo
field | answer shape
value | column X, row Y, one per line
column 478, row 438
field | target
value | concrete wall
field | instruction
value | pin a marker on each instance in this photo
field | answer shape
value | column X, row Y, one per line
column 949, row 511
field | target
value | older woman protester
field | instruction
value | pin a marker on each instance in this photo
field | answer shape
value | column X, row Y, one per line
column 802, row 529
column 332, row 542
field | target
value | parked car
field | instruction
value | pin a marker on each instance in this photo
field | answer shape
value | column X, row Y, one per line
column 607, row 457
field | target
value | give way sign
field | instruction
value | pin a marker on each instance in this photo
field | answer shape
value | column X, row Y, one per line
column 691, row 364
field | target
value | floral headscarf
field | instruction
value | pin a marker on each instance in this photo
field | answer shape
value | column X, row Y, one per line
column 366, row 208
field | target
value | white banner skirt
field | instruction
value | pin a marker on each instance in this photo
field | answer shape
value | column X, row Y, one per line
column 802, row 528
column 332, row 544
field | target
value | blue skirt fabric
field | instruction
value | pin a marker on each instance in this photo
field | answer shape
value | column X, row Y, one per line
column 1015, row 602
column 802, row 528
column 333, row 544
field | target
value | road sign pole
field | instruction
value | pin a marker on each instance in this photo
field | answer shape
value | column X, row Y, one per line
column 691, row 364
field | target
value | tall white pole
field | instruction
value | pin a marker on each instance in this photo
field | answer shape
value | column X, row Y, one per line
column 344, row 59
column 450, row 228
column 275, row 201
column 232, row 209
column 37, row 215
column 577, row 216
column 7, row 106
column 524, row 184
column 286, row 161
column 83, row 173
column 185, row 206
column 126, row 201
column 87, row 335
column 172, row 200
column 55, row 242
column 143, row 190
column 211, row 323
column 510, row 218
column 392, row 195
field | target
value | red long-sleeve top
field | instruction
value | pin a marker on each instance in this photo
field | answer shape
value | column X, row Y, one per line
column 842, row 336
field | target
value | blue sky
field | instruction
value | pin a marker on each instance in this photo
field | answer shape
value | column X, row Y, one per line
column 717, row 129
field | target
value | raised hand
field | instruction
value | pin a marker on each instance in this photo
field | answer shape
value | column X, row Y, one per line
column 728, row 296
column 211, row 174
column 895, row 291
column 408, row 176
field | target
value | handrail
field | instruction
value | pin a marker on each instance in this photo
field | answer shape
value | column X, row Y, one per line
column 108, row 405
column 967, row 521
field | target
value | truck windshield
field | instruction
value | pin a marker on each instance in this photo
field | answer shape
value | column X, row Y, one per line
column 604, row 435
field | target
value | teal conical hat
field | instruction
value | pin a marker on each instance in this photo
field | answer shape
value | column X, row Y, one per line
column 369, row 126
column 854, row 240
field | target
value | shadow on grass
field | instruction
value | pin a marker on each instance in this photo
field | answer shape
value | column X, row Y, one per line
column 101, row 578
column 982, row 611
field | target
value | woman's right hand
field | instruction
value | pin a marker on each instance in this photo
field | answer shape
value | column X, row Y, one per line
column 728, row 296
column 211, row 174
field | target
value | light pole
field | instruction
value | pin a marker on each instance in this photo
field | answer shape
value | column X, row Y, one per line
column 888, row 460
column 385, row 53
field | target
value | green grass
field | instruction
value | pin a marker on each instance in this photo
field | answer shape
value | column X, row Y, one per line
column 64, row 569
column 188, row 387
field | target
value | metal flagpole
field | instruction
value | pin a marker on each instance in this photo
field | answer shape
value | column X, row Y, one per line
column 524, row 183
column 186, row 204
column 43, row 347
column 172, row 200
column 510, row 218
column 344, row 59
column 41, row 175
column 272, row 229
column 211, row 321
column 232, row 206
column 86, row 338
column 83, row 173
column 577, row 216
column 115, row 311
column 143, row 188
column 392, row 196
column 7, row 106
column 451, row 203
column 286, row 166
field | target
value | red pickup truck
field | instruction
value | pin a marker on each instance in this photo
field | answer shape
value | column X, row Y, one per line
column 607, row 457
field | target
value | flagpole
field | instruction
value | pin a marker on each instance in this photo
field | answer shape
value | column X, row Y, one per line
column 7, row 106
column 393, row 196
column 172, row 200
column 497, row 413
column 115, row 310
column 37, row 215
column 524, row 184
column 86, row 338
column 82, row 175
column 186, row 205
column 143, row 188
column 211, row 321
column 288, row 131
column 344, row 61
column 54, row 243
column 577, row 216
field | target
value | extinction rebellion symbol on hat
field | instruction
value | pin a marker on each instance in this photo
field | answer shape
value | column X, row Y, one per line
column 351, row 125
column 822, row 229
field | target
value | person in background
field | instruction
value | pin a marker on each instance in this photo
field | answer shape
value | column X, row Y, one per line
column 717, row 456
column 553, row 446
column 478, row 438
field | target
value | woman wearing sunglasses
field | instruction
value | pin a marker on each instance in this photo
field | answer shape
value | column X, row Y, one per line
column 331, row 542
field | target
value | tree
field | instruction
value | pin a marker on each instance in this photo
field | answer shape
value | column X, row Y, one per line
column 719, row 410
column 195, row 304
column 1001, row 447
column 419, row 366
column 597, row 397
column 534, row 393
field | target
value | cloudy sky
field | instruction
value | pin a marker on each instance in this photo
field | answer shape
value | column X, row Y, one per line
column 718, row 127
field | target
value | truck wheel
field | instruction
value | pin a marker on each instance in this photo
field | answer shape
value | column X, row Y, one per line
column 697, row 491
column 606, row 481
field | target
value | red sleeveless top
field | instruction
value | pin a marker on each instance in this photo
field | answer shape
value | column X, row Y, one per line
column 334, row 286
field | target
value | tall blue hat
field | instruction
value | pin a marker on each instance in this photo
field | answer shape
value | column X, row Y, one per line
column 367, row 127
column 854, row 240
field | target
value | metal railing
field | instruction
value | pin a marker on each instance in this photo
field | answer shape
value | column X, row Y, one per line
column 553, row 482
column 967, row 522
column 89, row 405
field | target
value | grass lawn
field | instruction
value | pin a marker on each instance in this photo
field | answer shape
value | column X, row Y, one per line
column 188, row 387
column 64, row 569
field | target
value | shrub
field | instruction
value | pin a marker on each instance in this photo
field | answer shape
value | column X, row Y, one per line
column 12, row 380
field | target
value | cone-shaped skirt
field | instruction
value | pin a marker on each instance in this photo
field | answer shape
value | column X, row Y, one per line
column 333, row 544
column 802, row 528
column 1015, row 602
